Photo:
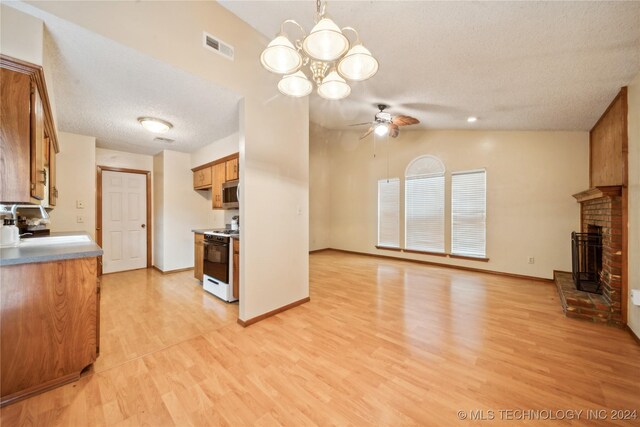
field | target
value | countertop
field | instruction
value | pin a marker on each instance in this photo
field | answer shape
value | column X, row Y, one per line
column 52, row 252
column 205, row 230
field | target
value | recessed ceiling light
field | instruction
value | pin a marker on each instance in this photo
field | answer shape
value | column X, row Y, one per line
column 472, row 119
column 155, row 125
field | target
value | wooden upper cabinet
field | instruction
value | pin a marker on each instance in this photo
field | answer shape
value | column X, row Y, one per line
column 53, row 190
column 232, row 169
column 218, row 180
column 38, row 173
column 26, row 125
column 15, row 136
column 202, row 178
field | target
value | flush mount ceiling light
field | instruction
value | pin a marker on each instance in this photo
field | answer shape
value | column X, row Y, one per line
column 472, row 119
column 155, row 125
column 326, row 52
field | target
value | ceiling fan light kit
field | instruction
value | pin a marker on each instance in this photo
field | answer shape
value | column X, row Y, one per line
column 385, row 124
column 381, row 129
column 327, row 53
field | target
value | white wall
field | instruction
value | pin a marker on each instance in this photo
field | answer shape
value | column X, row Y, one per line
column 530, row 177
column 633, row 94
column 158, row 211
column 319, row 188
column 216, row 150
column 178, row 208
column 21, row 35
column 75, row 180
column 121, row 159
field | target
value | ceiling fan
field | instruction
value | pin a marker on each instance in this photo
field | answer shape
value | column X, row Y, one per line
column 386, row 124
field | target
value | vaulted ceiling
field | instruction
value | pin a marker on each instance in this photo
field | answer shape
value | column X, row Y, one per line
column 514, row 65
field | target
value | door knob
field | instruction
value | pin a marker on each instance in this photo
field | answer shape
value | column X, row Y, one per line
column 143, row 225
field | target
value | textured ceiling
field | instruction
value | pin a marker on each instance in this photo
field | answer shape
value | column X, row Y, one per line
column 102, row 87
column 515, row 65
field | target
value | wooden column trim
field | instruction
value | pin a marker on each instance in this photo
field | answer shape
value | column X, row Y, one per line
column 99, row 170
column 245, row 323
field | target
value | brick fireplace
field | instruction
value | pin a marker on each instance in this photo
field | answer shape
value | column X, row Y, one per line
column 600, row 208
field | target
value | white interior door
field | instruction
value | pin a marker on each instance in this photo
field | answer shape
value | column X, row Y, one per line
column 124, row 221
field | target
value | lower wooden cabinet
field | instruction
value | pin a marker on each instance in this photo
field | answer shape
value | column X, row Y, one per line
column 236, row 268
column 198, row 251
column 49, row 314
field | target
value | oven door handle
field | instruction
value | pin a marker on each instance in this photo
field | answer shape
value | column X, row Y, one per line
column 215, row 243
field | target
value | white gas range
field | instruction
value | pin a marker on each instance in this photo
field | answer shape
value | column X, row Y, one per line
column 217, row 266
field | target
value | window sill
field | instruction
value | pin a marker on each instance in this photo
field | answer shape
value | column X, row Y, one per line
column 441, row 254
column 470, row 258
column 415, row 251
column 389, row 248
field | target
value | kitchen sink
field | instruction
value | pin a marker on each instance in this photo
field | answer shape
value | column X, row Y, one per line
column 55, row 240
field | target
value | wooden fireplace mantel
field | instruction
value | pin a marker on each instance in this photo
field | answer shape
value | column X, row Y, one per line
column 598, row 193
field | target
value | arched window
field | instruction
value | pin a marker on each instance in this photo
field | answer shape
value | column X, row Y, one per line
column 424, row 204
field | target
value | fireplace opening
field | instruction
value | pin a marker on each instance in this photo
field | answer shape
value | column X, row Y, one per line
column 586, row 251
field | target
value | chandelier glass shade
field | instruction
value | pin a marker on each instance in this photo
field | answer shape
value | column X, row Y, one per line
column 296, row 85
column 326, row 52
column 334, row 87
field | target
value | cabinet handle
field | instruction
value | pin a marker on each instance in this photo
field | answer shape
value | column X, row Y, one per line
column 44, row 176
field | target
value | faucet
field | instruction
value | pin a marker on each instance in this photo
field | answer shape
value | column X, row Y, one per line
column 14, row 211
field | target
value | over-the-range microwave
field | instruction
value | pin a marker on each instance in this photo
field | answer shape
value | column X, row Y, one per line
column 231, row 194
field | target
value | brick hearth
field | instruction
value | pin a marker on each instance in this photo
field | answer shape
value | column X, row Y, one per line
column 601, row 206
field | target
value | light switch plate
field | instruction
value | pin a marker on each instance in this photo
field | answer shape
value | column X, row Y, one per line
column 79, row 219
column 80, row 204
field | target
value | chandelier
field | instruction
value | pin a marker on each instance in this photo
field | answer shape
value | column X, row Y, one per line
column 325, row 54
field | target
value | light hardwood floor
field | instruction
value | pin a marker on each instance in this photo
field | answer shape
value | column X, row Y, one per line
column 381, row 343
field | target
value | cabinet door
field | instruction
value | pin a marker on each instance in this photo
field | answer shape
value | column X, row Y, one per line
column 53, row 190
column 97, row 312
column 218, row 180
column 198, row 270
column 202, row 178
column 232, row 169
column 15, row 104
column 236, row 268
column 38, row 173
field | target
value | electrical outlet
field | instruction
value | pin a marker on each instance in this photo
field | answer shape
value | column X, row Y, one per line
column 531, row 260
column 79, row 204
column 79, row 219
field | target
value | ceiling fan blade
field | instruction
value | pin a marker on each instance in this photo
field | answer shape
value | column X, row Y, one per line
column 394, row 130
column 360, row 124
column 367, row 133
column 404, row 120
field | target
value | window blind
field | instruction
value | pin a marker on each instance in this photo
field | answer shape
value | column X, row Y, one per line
column 424, row 213
column 389, row 212
column 468, row 213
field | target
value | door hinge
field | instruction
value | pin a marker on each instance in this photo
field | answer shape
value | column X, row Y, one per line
column 98, row 290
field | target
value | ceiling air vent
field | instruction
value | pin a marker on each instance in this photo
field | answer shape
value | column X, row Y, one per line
column 215, row 44
column 165, row 140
